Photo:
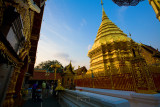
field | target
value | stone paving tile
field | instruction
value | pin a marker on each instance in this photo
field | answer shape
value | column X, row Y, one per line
column 30, row 103
column 51, row 102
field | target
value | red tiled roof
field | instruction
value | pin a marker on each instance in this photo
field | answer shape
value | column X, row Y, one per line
column 42, row 76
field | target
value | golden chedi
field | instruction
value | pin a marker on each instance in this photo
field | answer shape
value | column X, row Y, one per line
column 110, row 47
column 116, row 62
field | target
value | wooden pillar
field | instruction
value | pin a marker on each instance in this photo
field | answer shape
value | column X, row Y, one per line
column 19, row 83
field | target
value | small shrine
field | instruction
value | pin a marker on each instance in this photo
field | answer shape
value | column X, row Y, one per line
column 68, row 77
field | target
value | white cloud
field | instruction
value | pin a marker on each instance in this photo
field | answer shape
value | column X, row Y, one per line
column 47, row 52
column 46, row 48
column 121, row 13
column 123, row 9
column 62, row 57
column 54, row 32
column 67, row 27
column 83, row 22
column 89, row 46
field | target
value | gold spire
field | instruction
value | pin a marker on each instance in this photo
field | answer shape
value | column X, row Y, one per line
column 70, row 63
column 102, row 4
column 104, row 16
column 108, row 32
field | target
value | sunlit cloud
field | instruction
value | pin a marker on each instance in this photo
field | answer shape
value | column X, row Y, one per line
column 62, row 57
column 45, row 49
column 48, row 50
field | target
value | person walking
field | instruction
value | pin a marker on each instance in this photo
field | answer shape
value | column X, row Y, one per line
column 43, row 89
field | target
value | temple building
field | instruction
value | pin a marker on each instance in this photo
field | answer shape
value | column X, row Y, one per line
column 20, row 23
column 80, row 70
column 151, row 55
column 68, row 76
column 118, row 62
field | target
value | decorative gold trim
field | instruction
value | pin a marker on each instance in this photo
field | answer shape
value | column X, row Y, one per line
column 33, row 6
column 7, row 52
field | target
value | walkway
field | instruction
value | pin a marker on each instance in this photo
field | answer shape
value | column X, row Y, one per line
column 48, row 102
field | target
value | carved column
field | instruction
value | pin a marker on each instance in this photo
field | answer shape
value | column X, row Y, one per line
column 156, row 7
column 143, row 78
column 9, row 102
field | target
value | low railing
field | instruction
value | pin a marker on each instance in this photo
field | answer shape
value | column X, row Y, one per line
column 76, row 98
column 135, row 99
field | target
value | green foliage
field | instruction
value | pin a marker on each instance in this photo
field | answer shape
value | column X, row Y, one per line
column 46, row 65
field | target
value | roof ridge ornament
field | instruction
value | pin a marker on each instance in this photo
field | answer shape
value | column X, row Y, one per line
column 102, row 5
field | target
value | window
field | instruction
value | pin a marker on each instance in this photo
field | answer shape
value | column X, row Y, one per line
column 133, row 52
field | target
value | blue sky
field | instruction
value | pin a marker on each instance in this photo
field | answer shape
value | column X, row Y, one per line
column 69, row 28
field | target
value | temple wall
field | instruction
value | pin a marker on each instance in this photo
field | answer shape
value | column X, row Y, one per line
column 155, row 71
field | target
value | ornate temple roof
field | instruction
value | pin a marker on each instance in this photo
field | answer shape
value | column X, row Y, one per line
column 35, row 35
column 108, row 32
column 80, row 70
column 152, row 50
column 68, row 69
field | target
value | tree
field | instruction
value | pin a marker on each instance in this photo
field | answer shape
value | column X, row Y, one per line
column 46, row 65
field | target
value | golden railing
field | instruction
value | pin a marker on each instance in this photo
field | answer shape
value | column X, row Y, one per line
column 144, row 79
column 120, row 82
column 155, row 75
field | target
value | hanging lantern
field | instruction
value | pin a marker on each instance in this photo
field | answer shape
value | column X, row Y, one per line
column 127, row 2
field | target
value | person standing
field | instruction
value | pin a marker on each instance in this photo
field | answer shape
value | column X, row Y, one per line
column 47, row 88
column 54, row 87
column 34, row 87
column 51, row 90
column 43, row 89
